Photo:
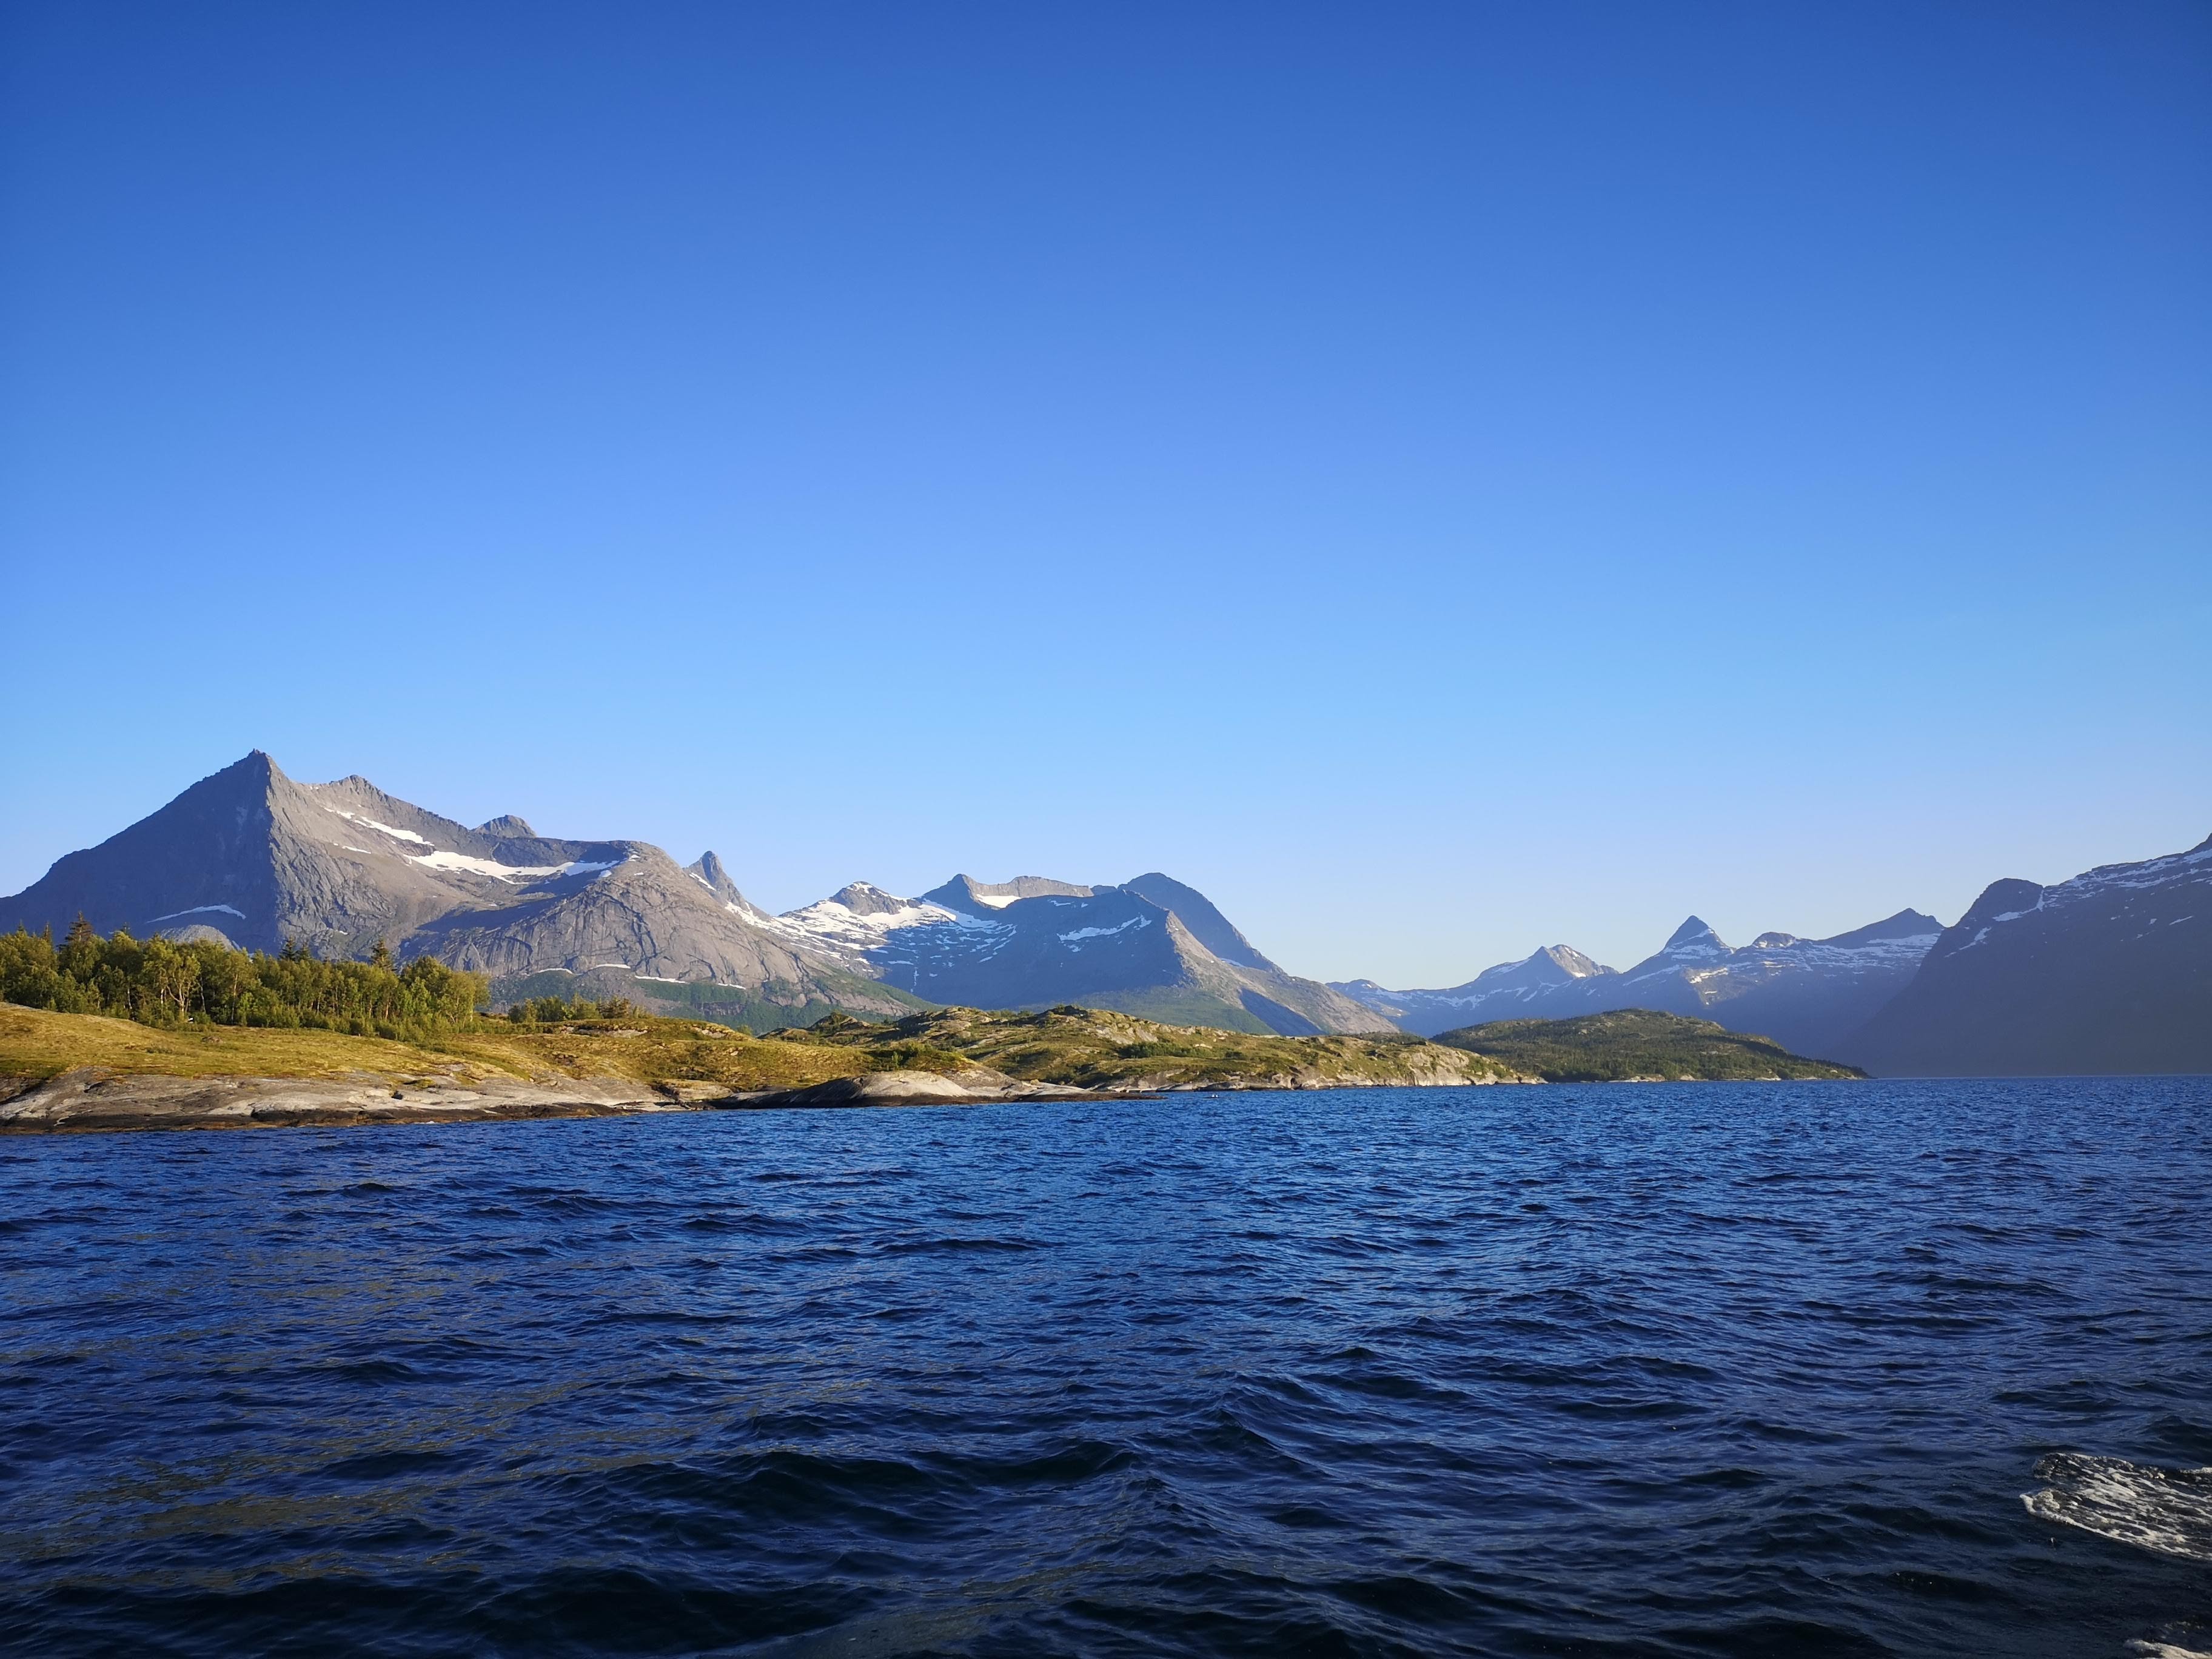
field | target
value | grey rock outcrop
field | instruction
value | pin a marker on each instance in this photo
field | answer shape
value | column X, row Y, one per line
column 87, row 1100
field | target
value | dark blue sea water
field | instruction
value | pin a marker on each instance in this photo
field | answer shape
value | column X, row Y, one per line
column 1711, row 1369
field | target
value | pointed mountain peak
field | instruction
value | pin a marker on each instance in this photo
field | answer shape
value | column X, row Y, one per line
column 1695, row 931
column 253, row 770
column 507, row 824
column 711, row 873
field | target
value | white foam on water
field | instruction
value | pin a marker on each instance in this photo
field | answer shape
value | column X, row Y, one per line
column 2167, row 1650
column 2168, row 1510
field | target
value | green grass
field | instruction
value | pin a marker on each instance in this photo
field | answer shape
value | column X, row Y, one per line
column 37, row 1044
column 1167, row 1007
column 1078, row 1047
column 1635, row 1043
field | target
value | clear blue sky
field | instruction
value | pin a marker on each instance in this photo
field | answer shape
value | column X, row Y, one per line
column 1442, row 479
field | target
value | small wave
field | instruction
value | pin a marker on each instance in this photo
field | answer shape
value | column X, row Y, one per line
column 2169, row 1511
column 955, row 1246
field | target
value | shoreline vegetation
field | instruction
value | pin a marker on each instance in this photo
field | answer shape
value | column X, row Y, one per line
column 118, row 1033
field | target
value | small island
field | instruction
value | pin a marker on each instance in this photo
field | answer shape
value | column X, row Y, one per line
column 1635, row 1045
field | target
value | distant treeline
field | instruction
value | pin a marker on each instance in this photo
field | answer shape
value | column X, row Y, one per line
column 158, row 981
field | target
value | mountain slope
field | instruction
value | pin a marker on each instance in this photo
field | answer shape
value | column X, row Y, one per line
column 2110, row 972
column 1807, row 994
column 1033, row 942
column 1196, row 912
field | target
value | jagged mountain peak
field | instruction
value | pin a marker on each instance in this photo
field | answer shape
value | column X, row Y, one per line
column 507, row 824
column 711, row 873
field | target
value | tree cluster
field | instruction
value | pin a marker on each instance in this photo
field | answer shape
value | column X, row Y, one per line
column 552, row 1010
column 159, row 982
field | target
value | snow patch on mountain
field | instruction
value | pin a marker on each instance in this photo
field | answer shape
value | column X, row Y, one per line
column 386, row 828
column 445, row 860
column 860, row 918
column 1107, row 933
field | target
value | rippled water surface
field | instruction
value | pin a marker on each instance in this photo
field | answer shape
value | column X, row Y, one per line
column 1720, row 1368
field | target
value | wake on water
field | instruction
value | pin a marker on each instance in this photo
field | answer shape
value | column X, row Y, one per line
column 2169, row 1511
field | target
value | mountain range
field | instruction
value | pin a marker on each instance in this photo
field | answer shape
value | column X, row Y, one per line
column 260, row 860
column 2110, row 971
column 1809, row 995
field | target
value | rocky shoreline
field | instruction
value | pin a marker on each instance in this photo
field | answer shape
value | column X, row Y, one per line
column 90, row 1100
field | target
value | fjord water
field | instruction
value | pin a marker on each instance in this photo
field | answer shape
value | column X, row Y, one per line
column 1701, row 1368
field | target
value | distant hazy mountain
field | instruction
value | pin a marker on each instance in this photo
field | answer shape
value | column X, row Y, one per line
column 1498, row 993
column 1806, row 994
column 2111, row 972
column 1150, row 947
column 257, row 859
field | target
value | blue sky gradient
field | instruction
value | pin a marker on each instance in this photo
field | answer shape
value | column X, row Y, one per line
column 1440, row 479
